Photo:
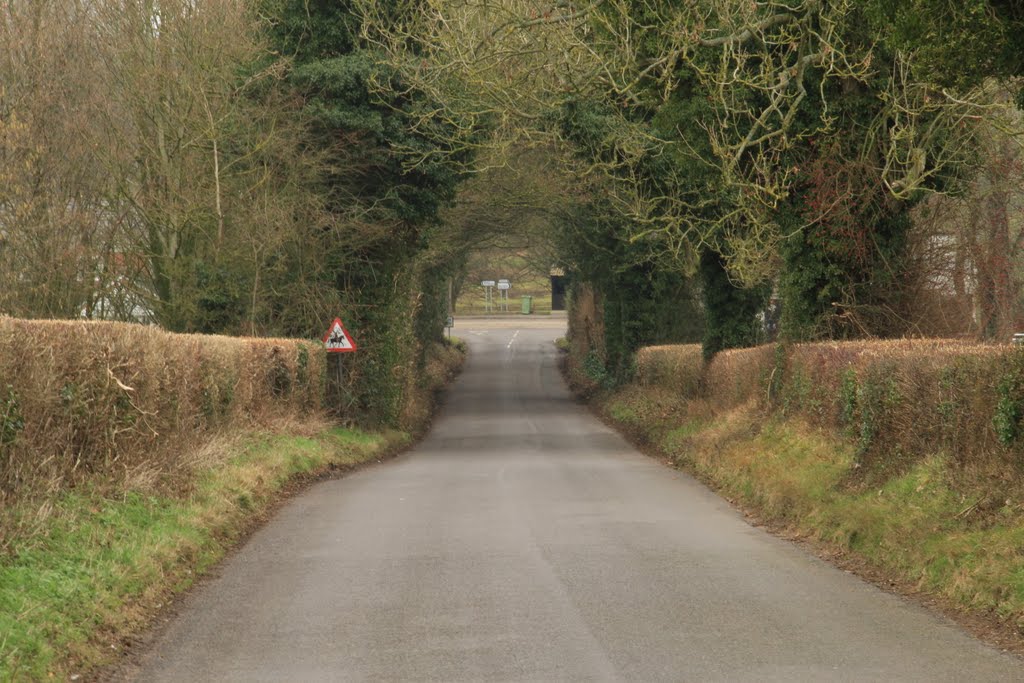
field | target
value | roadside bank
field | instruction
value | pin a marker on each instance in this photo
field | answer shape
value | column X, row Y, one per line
column 814, row 443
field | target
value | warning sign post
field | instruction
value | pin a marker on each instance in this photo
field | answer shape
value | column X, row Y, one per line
column 337, row 341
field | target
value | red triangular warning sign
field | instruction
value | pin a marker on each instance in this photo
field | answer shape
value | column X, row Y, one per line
column 337, row 339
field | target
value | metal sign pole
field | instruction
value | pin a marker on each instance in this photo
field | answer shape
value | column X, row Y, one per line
column 488, row 286
column 336, row 380
column 503, row 298
column 336, row 342
column 342, row 389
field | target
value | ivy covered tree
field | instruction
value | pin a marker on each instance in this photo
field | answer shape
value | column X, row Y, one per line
column 821, row 139
column 730, row 311
column 386, row 178
column 647, row 291
column 956, row 45
column 642, row 300
column 364, row 115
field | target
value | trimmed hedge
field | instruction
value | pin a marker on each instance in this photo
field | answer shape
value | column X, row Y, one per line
column 898, row 400
column 676, row 367
column 98, row 402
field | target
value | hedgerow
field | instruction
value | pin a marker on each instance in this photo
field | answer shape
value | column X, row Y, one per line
column 897, row 401
column 105, row 402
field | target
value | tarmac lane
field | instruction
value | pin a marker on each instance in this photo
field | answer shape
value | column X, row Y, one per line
column 524, row 540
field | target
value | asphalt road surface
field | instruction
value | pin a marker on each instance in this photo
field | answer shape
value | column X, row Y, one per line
column 525, row 541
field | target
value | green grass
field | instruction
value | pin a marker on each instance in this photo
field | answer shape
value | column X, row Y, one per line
column 103, row 565
column 473, row 303
column 495, row 264
column 921, row 526
column 679, row 435
column 624, row 413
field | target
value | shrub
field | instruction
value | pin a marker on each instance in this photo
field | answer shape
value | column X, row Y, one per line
column 740, row 376
column 97, row 401
column 897, row 400
column 676, row 367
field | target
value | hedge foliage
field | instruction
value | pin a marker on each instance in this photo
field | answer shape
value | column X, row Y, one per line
column 99, row 401
column 899, row 401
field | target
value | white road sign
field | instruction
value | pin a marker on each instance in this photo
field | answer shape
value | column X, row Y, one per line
column 487, row 283
column 337, row 339
column 505, row 285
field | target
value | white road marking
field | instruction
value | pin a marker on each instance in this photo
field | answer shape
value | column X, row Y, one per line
column 510, row 341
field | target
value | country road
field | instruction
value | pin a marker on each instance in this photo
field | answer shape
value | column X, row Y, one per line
column 523, row 540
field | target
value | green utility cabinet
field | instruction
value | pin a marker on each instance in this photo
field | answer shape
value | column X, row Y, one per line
column 527, row 305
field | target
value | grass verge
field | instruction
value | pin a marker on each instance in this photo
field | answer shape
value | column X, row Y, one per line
column 69, row 596
column 100, row 561
column 928, row 529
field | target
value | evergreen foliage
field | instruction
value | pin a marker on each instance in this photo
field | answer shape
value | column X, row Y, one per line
column 386, row 179
column 730, row 311
column 643, row 302
column 956, row 44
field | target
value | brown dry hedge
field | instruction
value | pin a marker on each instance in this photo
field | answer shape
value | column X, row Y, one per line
column 96, row 401
column 897, row 400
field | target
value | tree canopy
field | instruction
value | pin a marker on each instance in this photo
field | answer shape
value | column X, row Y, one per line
column 259, row 165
